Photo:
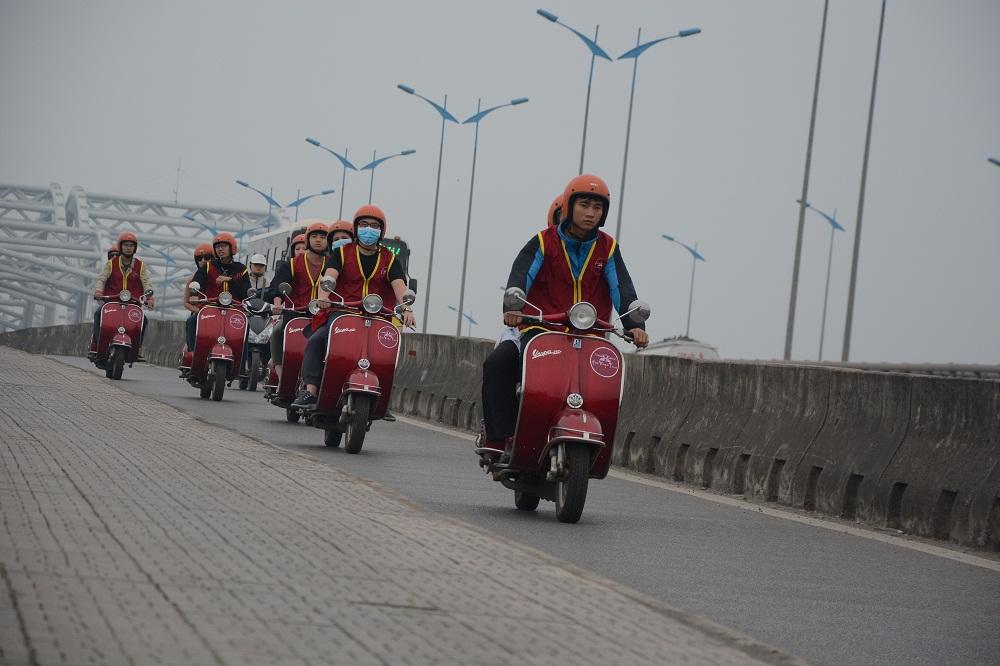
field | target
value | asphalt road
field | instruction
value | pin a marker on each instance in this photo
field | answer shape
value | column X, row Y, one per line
column 830, row 597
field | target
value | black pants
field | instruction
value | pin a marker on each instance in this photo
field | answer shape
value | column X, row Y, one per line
column 190, row 327
column 501, row 373
column 312, row 360
column 97, row 327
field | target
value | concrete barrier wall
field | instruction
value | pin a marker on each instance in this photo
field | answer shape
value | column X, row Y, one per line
column 914, row 453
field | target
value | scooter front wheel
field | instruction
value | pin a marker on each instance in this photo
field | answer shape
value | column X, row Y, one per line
column 109, row 364
column 357, row 425
column 253, row 374
column 218, row 381
column 571, row 489
column 118, row 365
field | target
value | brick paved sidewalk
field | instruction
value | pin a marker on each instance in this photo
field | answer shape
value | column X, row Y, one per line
column 133, row 533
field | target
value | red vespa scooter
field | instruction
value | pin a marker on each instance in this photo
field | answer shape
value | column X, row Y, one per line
column 120, row 334
column 222, row 330
column 361, row 356
column 281, row 393
column 570, row 392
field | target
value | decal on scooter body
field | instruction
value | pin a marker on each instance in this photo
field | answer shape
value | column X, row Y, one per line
column 556, row 365
column 355, row 340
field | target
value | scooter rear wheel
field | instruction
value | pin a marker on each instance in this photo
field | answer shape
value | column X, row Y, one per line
column 571, row 490
column 357, row 425
column 332, row 438
column 218, row 382
column 526, row 501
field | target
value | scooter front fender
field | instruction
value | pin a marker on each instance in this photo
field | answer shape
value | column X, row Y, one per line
column 362, row 381
column 574, row 425
column 223, row 352
column 121, row 340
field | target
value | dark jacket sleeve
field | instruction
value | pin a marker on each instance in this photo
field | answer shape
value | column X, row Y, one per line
column 624, row 291
column 282, row 274
column 201, row 277
column 521, row 268
column 240, row 282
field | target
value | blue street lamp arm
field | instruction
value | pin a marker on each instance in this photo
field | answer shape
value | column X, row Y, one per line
column 639, row 50
column 465, row 316
column 596, row 50
column 437, row 107
column 475, row 118
column 301, row 200
column 694, row 253
column 343, row 160
column 993, row 160
column 270, row 200
column 829, row 218
column 375, row 163
column 212, row 229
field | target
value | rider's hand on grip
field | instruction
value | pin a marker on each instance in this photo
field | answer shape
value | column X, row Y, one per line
column 639, row 337
column 512, row 318
column 222, row 278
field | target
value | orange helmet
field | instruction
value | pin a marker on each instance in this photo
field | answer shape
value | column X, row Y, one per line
column 227, row 238
column 317, row 227
column 554, row 212
column 342, row 225
column 127, row 237
column 589, row 185
column 374, row 212
column 202, row 250
column 299, row 238
column 113, row 249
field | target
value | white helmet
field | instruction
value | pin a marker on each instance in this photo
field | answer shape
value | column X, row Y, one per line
column 258, row 259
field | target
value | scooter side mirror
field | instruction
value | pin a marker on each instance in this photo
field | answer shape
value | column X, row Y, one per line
column 639, row 311
column 285, row 288
column 514, row 299
column 194, row 286
column 409, row 298
column 147, row 293
column 328, row 284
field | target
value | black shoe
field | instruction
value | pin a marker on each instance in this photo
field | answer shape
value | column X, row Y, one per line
column 305, row 401
column 389, row 417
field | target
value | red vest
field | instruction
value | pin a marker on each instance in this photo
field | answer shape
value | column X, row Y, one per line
column 305, row 280
column 354, row 285
column 556, row 290
column 213, row 289
column 124, row 278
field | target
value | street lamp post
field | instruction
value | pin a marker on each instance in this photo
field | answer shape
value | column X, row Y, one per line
column 344, row 162
column 846, row 353
column 797, row 261
column 834, row 228
column 446, row 117
column 468, row 318
column 595, row 52
column 371, row 166
column 634, row 54
column 475, row 118
column 695, row 258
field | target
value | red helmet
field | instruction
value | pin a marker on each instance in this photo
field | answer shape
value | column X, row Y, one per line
column 113, row 249
column 202, row 250
column 225, row 237
column 342, row 225
column 554, row 212
column 299, row 238
column 591, row 186
column 373, row 212
column 127, row 237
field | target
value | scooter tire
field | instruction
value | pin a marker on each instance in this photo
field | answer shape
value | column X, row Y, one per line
column 109, row 364
column 292, row 415
column 253, row 374
column 332, row 438
column 218, row 380
column 571, row 491
column 205, row 392
column 119, row 363
column 526, row 501
column 357, row 425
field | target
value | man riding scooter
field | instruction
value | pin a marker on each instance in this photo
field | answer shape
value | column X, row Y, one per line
column 219, row 274
column 303, row 273
column 124, row 272
column 563, row 265
column 360, row 268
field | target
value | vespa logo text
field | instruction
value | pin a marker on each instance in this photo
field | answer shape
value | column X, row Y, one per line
column 605, row 362
column 343, row 330
column 548, row 352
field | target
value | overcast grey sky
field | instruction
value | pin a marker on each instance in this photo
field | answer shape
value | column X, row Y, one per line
column 109, row 95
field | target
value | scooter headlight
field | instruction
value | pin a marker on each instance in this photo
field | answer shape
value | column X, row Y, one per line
column 313, row 307
column 124, row 295
column 372, row 304
column 583, row 316
column 225, row 298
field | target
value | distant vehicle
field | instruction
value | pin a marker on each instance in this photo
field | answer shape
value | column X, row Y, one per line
column 682, row 347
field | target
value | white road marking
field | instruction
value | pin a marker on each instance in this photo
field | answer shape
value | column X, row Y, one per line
column 827, row 524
